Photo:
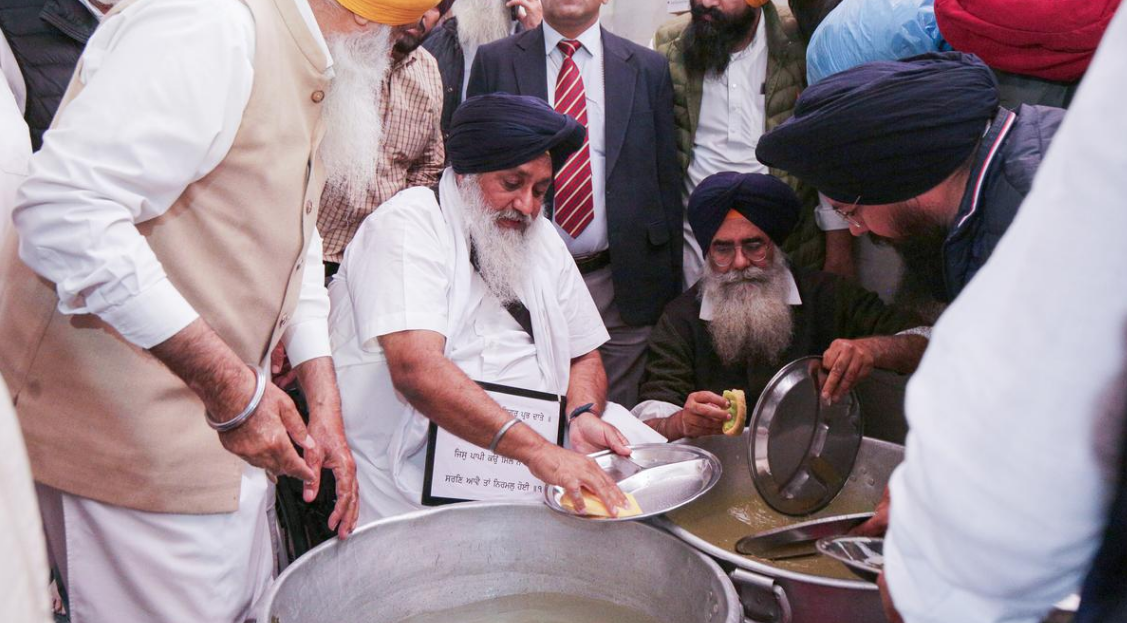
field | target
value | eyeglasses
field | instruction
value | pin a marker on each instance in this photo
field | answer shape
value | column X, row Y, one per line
column 851, row 216
column 724, row 253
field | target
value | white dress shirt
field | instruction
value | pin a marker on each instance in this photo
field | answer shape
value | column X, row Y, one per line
column 166, row 83
column 15, row 147
column 1017, row 409
column 403, row 271
column 732, row 115
column 589, row 59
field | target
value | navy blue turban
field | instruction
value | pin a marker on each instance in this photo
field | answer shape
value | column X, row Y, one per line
column 886, row 131
column 501, row 131
column 766, row 201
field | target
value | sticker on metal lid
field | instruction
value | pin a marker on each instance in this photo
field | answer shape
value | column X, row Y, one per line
column 801, row 451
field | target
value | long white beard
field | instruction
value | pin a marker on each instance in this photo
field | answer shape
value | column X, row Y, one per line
column 751, row 317
column 502, row 254
column 480, row 22
column 353, row 123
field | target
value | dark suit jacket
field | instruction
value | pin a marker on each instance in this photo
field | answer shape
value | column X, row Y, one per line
column 643, row 197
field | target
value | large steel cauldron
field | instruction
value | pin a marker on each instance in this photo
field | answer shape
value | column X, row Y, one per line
column 457, row 555
column 800, row 591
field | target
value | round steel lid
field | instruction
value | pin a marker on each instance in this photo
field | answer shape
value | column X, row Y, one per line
column 800, row 450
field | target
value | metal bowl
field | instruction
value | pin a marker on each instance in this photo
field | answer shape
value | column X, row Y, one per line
column 458, row 555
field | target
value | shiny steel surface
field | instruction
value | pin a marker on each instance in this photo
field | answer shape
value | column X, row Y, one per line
column 802, row 450
column 864, row 555
column 777, row 592
column 776, row 541
column 661, row 477
column 461, row 554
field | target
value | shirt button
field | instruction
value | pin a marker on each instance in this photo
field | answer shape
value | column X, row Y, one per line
column 285, row 320
column 317, row 96
column 309, row 206
column 297, row 268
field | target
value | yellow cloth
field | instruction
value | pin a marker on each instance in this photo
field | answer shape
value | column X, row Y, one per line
column 390, row 12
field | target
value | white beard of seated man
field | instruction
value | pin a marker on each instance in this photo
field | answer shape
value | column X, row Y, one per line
column 752, row 317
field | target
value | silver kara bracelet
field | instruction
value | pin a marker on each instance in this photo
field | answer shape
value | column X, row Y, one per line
column 501, row 433
column 240, row 419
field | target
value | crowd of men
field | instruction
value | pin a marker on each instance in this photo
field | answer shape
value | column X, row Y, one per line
column 375, row 204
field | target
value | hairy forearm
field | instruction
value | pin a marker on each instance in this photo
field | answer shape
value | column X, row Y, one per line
column 899, row 353
column 443, row 393
column 318, row 381
column 588, row 382
column 208, row 367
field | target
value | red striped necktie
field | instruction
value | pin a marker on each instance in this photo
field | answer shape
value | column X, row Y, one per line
column 574, row 200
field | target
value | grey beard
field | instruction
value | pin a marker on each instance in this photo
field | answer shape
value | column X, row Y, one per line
column 502, row 254
column 352, row 117
column 751, row 317
column 480, row 22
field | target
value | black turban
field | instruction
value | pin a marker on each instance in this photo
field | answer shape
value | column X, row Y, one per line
column 886, row 131
column 764, row 200
column 501, row 131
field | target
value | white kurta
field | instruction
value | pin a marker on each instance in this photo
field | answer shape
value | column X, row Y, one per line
column 1017, row 405
column 408, row 269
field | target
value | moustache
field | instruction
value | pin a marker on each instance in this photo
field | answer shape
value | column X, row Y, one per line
column 512, row 214
column 751, row 274
column 699, row 11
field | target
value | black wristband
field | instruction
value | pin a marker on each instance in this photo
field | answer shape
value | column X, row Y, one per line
column 587, row 408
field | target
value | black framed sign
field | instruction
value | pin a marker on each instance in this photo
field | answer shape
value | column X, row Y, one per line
column 459, row 471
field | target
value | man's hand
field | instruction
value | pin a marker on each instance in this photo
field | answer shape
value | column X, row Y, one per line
column 225, row 385
column 326, row 426
column 280, row 371
column 878, row 524
column 704, row 414
column 264, row 440
column 590, row 434
column 848, row 361
column 573, row 471
column 532, row 14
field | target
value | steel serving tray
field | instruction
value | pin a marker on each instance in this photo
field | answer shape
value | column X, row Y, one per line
column 670, row 476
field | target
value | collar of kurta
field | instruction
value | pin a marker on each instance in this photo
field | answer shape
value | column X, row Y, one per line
column 708, row 308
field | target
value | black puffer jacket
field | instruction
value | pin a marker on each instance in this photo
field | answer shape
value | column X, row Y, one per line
column 46, row 37
column 1003, row 168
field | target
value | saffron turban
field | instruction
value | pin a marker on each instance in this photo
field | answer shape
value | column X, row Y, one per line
column 1049, row 39
column 766, row 201
column 501, row 131
column 886, row 131
column 390, row 12
column 757, row 3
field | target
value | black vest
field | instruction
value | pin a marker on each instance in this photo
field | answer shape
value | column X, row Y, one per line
column 47, row 37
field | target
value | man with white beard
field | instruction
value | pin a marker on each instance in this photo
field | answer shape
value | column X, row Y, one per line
column 475, row 285
column 472, row 24
column 752, row 313
column 169, row 221
column 391, row 143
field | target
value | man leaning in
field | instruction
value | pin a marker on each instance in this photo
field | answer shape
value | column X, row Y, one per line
column 476, row 285
column 170, row 218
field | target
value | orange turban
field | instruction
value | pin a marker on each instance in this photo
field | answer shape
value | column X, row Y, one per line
column 757, row 3
column 390, row 12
